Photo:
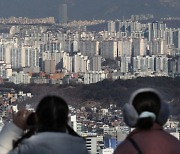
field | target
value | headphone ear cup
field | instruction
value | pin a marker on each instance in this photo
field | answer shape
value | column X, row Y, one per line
column 163, row 113
column 130, row 115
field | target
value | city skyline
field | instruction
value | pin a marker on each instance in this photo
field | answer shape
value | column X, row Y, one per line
column 59, row 48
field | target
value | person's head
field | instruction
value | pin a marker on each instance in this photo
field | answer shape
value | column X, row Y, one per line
column 145, row 108
column 52, row 114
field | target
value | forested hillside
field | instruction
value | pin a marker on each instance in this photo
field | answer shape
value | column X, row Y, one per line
column 106, row 92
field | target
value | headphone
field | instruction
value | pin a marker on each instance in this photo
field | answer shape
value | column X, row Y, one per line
column 131, row 116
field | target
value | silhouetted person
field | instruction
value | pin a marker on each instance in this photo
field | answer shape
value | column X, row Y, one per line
column 47, row 131
column 147, row 113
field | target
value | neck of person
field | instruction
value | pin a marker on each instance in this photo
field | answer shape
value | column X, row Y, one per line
column 62, row 129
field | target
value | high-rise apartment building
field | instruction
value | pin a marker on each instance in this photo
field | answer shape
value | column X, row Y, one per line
column 156, row 30
column 30, row 57
column 63, row 16
column 95, row 63
column 91, row 142
column 81, row 63
column 49, row 66
column 125, row 48
column 158, row 46
column 20, row 78
column 143, row 64
column 67, row 62
column 111, row 26
column 109, row 49
column 94, row 76
column 176, row 38
column 139, row 46
column 125, row 64
column 169, row 36
column 89, row 48
column 161, row 65
column 75, row 124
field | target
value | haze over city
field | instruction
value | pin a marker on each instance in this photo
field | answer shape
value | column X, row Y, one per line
column 89, row 9
column 93, row 54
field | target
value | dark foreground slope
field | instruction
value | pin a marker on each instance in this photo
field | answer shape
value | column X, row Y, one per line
column 106, row 92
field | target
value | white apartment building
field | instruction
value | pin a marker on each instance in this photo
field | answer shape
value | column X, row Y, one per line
column 1, row 123
column 109, row 49
column 139, row 46
column 123, row 25
column 5, row 70
column 176, row 38
column 106, row 151
column 125, row 48
column 95, row 63
column 91, row 142
column 30, row 57
column 169, row 36
column 75, row 124
column 161, row 65
column 20, row 78
column 143, row 64
column 111, row 26
column 89, row 48
column 67, row 62
column 19, row 56
column 125, row 64
column 158, row 46
column 94, row 76
column 81, row 63
column 56, row 55
column 135, row 26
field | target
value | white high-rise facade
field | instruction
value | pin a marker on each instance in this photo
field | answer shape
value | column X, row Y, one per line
column 67, row 62
column 158, row 47
column 125, row 48
column 89, row 48
column 176, row 38
column 109, row 49
column 81, row 63
column 161, row 65
column 111, row 26
column 30, row 57
column 139, row 46
column 95, row 63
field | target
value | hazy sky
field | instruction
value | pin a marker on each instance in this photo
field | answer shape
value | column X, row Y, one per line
column 86, row 9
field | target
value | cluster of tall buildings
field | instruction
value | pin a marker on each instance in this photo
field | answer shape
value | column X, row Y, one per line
column 25, row 20
column 150, row 49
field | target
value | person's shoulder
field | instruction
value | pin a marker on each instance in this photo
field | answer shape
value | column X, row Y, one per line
column 55, row 141
column 52, row 136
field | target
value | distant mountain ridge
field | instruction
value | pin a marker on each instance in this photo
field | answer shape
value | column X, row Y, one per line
column 89, row 9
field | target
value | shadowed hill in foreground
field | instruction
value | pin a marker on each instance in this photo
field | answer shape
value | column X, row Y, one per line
column 106, row 92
